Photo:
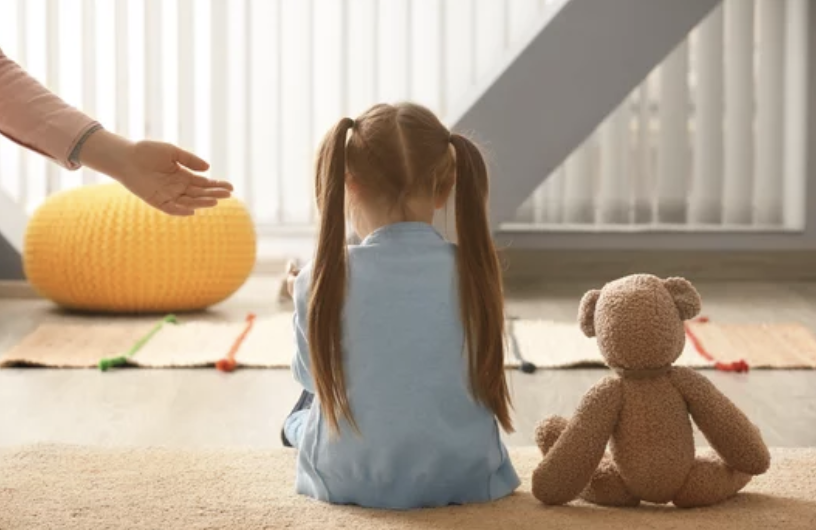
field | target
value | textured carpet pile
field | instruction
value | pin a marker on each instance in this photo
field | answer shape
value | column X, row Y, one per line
column 71, row 488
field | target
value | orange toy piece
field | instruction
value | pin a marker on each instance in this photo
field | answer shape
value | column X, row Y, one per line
column 228, row 363
column 735, row 366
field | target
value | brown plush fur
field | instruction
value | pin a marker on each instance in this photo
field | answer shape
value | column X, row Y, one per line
column 643, row 411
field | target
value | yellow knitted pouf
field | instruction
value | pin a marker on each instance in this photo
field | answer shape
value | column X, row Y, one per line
column 99, row 248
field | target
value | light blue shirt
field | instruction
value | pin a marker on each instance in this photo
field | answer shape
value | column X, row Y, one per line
column 425, row 442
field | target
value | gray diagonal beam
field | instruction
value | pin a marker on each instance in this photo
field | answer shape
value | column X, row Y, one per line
column 587, row 57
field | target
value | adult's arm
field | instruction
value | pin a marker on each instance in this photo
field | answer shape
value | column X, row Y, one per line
column 160, row 174
column 34, row 117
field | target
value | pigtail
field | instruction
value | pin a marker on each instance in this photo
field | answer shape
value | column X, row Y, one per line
column 329, row 278
column 480, row 283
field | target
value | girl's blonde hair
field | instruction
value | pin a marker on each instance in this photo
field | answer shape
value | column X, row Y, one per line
column 396, row 153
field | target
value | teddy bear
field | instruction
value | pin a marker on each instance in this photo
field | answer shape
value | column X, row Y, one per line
column 643, row 411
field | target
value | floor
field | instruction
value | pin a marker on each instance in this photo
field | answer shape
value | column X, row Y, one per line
column 205, row 408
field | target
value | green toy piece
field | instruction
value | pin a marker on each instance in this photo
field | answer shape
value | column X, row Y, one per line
column 122, row 360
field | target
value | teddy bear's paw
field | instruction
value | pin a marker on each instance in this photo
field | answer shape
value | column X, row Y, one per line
column 548, row 431
column 607, row 487
column 709, row 482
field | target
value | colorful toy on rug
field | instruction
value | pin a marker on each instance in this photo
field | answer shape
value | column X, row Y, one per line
column 644, row 411
column 738, row 366
column 99, row 248
column 228, row 363
column 122, row 360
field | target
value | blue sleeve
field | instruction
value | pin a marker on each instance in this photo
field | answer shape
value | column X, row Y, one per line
column 301, row 363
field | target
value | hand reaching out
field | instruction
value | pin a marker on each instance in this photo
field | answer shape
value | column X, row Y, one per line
column 161, row 174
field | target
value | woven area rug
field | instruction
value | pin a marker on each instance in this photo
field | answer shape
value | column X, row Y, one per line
column 77, row 488
column 81, row 343
column 190, row 343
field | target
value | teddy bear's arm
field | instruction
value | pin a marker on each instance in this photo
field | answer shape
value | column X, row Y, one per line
column 724, row 425
column 568, row 466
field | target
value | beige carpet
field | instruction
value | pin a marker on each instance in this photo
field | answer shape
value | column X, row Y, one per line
column 71, row 488
column 77, row 342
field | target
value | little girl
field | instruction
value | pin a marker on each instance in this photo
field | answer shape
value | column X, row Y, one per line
column 400, row 337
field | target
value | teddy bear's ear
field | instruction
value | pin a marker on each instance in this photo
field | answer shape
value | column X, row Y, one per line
column 686, row 297
column 586, row 312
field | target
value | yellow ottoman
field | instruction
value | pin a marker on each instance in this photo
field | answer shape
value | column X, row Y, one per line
column 98, row 248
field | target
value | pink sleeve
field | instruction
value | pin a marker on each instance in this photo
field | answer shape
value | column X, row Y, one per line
column 35, row 118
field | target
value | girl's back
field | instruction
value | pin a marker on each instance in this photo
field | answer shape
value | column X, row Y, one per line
column 423, row 439
column 401, row 337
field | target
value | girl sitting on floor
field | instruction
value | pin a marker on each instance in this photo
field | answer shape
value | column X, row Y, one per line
column 400, row 339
